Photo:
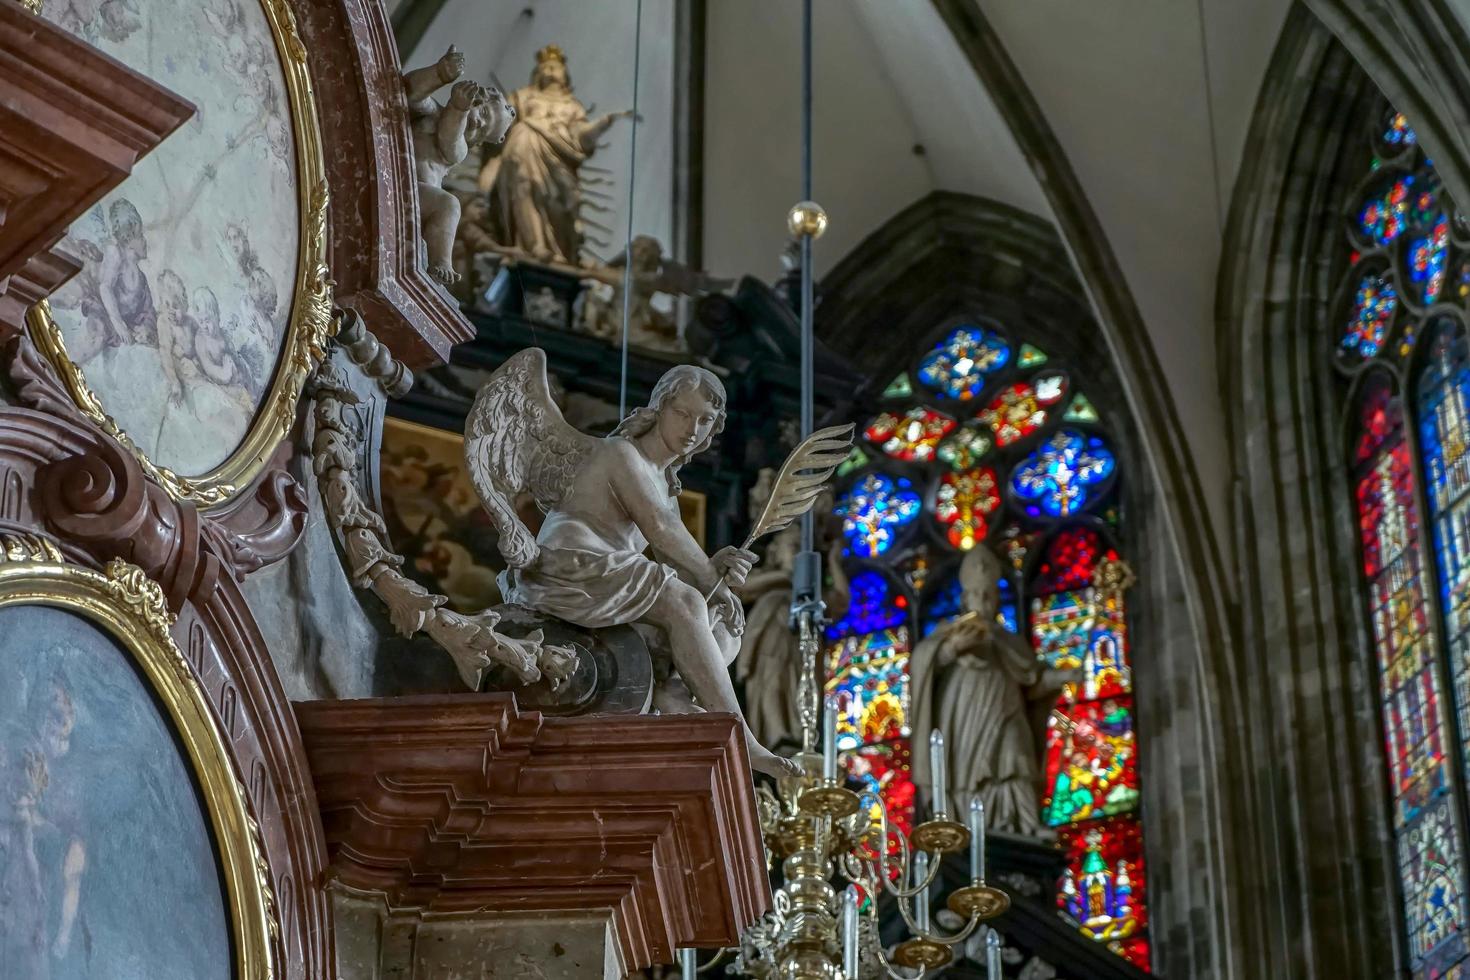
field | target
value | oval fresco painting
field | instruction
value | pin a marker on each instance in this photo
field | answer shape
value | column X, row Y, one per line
column 107, row 862
column 178, row 316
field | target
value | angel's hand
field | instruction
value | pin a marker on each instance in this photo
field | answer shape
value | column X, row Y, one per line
column 451, row 66
column 733, row 564
column 726, row 606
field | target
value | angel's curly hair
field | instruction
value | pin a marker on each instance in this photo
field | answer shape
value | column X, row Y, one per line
column 680, row 378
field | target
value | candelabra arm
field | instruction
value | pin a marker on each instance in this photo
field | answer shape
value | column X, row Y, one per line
column 935, row 937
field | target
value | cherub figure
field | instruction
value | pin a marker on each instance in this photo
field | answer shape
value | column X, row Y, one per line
column 442, row 137
column 652, row 273
column 607, row 502
column 122, row 283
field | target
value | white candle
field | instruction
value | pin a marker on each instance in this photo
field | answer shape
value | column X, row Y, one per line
column 921, row 900
column 939, row 800
column 687, row 964
column 977, row 839
column 992, row 956
column 829, row 740
column 850, row 933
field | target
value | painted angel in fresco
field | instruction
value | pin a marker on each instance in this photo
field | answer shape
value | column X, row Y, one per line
column 442, row 137
column 975, row 680
column 607, row 502
column 652, row 273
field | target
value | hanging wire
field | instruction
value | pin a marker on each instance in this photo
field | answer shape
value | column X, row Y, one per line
column 808, row 523
column 628, row 246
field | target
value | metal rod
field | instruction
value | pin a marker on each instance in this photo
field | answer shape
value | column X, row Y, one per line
column 808, row 521
column 628, row 246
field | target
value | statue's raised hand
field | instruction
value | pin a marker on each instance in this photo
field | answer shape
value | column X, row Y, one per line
column 451, row 65
column 733, row 564
column 467, row 95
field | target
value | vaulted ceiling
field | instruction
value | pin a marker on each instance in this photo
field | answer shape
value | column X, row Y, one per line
column 1148, row 103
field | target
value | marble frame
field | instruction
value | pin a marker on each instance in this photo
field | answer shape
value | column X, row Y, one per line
column 124, row 603
column 311, row 320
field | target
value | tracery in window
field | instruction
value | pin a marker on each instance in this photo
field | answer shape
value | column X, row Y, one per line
column 997, row 446
column 1402, row 355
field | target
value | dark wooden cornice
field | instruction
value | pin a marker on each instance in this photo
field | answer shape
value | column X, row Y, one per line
column 463, row 803
column 73, row 122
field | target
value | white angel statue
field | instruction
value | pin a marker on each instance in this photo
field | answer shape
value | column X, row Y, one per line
column 609, row 500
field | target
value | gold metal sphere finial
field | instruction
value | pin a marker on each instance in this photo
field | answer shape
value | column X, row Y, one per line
column 807, row 218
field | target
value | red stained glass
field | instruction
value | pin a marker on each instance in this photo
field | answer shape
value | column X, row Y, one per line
column 1102, row 889
column 912, row 436
column 885, row 770
column 1377, row 420
column 1090, row 770
column 1021, row 408
column 962, row 504
column 1071, row 558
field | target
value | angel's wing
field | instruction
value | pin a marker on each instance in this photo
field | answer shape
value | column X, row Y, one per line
column 516, row 441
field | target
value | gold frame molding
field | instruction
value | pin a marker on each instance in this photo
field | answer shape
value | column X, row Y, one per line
column 311, row 322
column 130, row 607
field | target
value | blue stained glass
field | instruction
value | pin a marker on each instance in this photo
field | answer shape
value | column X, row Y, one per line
column 1427, row 255
column 1059, row 478
column 1444, row 440
column 1373, row 307
column 869, row 680
column 874, row 510
column 875, row 605
column 960, row 364
column 948, row 602
column 1398, row 131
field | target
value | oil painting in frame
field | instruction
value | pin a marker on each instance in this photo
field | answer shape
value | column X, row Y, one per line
column 203, row 300
column 126, row 845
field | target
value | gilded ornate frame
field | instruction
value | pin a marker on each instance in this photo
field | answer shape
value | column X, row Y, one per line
column 128, row 605
column 311, row 322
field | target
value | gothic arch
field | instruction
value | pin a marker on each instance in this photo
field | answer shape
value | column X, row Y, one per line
column 1309, row 714
column 951, row 255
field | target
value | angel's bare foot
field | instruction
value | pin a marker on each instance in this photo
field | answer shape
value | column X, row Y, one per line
column 764, row 760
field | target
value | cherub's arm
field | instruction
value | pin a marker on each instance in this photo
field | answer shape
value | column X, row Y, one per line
column 648, row 506
column 112, row 259
column 421, row 83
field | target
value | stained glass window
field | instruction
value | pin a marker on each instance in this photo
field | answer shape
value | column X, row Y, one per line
column 873, row 512
column 1399, row 250
column 911, row 437
column 959, row 365
column 998, row 446
column 1021, row 409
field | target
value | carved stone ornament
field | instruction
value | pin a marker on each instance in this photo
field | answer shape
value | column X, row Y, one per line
column 471, row 640
column 374, row 220
column 443, row 135
column 310, row 323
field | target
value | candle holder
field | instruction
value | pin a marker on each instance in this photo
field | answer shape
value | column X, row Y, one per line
column 829, row 800
column 941, row 835
column 979, row 901
column 923, row 954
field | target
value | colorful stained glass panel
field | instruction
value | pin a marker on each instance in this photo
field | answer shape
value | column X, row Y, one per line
column 874, row 510
column 1063, row 476
column 885, row 771
column 874, row 604
column 963, row 503
column 1373, row 307
column 1102, row 889
column 1430, row 864
column 964, row 449
column 899, row 387
column 960, row 364
column 1072, row 555
column 1427, row 257
column 1080, row 410
column 1385, row 214
column 912, row 436
column 1020, row 409
column 1083, row 630
column 1031, row 357
column 1398, row 132
column 1090, row 769
column 868, row 678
